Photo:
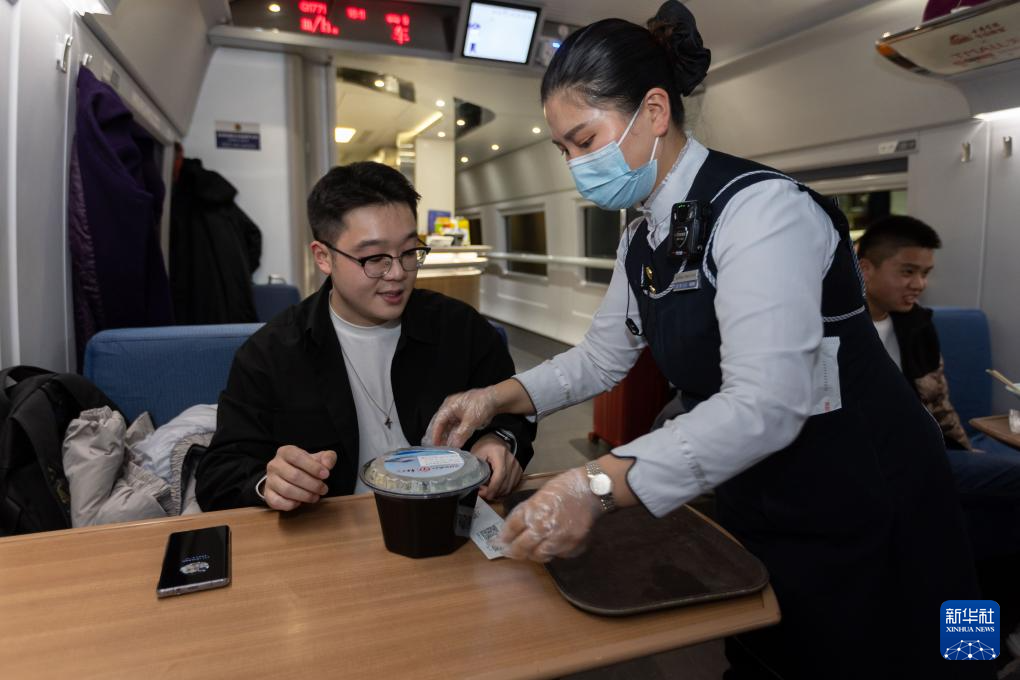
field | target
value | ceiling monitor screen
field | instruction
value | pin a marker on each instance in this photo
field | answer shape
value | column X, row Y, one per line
column 500, row 32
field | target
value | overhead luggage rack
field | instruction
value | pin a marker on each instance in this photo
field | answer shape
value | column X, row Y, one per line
column 969, row 39
column 976, row 48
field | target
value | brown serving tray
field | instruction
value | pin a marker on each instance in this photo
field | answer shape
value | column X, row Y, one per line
column 636, row 563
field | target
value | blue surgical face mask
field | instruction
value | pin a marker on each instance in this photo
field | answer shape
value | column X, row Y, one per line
column 605, row 179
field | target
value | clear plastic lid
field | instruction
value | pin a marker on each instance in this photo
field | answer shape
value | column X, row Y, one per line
column 425, row 472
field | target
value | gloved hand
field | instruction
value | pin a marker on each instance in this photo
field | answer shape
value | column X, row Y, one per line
column 555, row 522
column 459, row 416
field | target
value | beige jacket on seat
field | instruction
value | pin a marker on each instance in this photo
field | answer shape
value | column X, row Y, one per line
column 106, row 480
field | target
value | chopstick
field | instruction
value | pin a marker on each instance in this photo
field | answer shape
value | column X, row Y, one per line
column 1000, row 377
column 1010, row 385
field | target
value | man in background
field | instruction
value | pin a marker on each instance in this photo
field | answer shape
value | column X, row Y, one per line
column 897, row 254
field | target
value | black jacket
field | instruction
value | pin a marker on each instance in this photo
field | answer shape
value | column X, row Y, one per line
column 921, row 361
column 214, row 250
column 289, row 385
column 919, row 342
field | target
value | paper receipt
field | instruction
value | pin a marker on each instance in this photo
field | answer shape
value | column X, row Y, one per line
column 826, row 378
column 485, row 528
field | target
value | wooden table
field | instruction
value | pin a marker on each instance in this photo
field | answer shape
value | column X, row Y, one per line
column 997, row 427
column 314, row 594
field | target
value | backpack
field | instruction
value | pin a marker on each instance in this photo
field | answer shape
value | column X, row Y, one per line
column 34, row 414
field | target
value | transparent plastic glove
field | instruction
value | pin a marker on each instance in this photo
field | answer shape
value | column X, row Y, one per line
column 459, row 416
column 555, row 522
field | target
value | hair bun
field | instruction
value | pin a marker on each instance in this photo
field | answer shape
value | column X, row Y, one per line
column 675, row 28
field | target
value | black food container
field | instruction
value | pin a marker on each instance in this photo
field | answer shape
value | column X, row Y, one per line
column 425, row 498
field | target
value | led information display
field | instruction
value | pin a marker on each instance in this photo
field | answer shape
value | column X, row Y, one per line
column 401, row 24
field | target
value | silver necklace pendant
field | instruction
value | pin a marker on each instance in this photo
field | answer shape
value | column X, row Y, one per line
column 389, row 421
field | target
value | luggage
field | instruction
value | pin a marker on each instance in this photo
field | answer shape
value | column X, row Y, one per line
column 34, row 413
column 628, row 410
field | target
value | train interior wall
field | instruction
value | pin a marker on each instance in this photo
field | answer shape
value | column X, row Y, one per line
column 775, row 105
column 245, row 86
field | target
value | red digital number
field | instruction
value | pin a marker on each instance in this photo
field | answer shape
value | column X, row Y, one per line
column 400, row 35
column 400, row 28
column 309, row 7
column 357, row 13
column 318, row 25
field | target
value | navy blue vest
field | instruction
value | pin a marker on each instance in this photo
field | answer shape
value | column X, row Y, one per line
column 681, row 327
column 859, row 506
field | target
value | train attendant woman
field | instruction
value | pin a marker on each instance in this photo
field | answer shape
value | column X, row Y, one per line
column 744, row 285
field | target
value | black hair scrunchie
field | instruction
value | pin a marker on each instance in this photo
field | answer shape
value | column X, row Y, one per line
column 674, row 26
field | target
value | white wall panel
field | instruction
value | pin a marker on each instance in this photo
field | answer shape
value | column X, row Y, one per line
column 41, row 124
column 251, row 87
column 435, row 169
column 1001, row 276
column 950, row 195
column 7, row 288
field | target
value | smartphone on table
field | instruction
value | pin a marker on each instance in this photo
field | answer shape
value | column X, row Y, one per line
column 195, row 560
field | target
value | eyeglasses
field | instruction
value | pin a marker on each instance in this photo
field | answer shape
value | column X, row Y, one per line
column 376, row 266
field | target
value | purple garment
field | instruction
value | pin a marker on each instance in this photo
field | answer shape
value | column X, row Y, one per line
column 88, row 309
column 938, row 8
column 115, row 204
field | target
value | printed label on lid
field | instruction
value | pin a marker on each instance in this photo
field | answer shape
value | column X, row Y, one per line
column 436, row 460
column 415, row 465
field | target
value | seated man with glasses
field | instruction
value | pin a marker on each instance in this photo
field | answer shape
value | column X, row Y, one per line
column 359, row 368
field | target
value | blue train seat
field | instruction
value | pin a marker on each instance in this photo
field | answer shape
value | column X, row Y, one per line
column 163, row 370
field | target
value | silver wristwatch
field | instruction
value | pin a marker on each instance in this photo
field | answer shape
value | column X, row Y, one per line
column 601, row 485
column 508, row 438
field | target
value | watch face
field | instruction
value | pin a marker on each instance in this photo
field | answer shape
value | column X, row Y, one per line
column 601, row 484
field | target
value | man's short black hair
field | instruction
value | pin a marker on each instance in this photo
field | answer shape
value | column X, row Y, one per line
column 347, row 187
column 886, row 236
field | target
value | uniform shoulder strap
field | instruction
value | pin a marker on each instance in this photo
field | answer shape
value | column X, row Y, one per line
column 719, row 179
column 719, row 174
column 726, row 176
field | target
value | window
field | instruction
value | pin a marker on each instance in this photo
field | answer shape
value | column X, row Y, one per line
column 525, row 233
column 865, row 192
column 863, row 209
column 475, row 230
column 601, row 237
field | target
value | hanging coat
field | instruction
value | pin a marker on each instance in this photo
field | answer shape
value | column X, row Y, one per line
column 115, row 204
column 214, row 249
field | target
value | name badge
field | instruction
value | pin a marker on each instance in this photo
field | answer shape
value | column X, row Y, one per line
column 686, row 281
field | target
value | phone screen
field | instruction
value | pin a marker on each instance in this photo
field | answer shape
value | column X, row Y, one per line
column 195, row 560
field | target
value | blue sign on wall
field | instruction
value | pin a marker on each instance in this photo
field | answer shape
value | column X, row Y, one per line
column 238, row 136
